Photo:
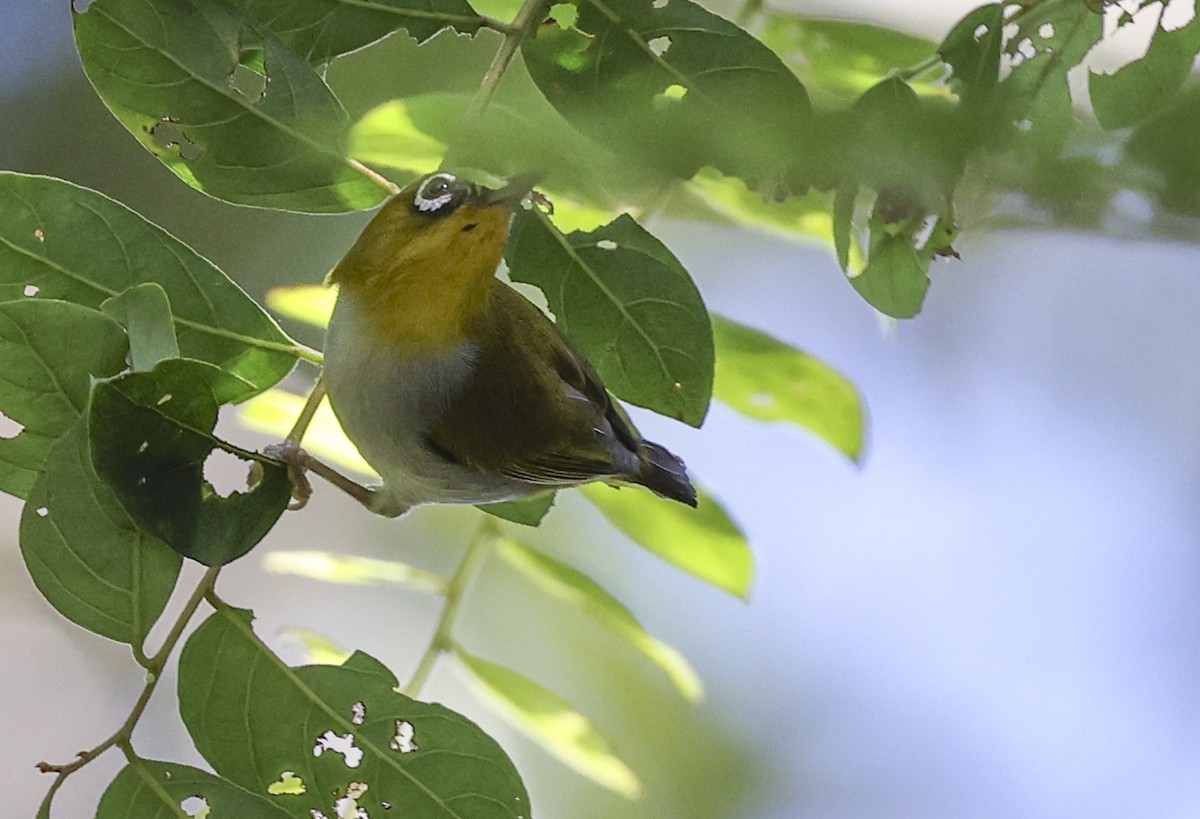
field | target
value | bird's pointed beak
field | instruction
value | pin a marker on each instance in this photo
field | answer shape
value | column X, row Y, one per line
column 512, row 194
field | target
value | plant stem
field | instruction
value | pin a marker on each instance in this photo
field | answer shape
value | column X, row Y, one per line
column 376, row 177
column 306, row 414
column 154, row 667
column 530, row 15
column 456, row 588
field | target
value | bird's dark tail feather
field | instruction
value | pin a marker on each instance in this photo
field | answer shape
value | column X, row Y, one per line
column 665, row 474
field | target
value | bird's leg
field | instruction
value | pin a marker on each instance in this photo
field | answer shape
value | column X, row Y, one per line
column 300, row 462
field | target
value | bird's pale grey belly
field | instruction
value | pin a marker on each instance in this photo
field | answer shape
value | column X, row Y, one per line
column 386, row 401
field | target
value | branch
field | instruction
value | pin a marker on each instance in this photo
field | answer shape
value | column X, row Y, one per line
column 154, row 666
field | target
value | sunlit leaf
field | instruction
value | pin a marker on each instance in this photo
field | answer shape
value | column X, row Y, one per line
column 334, row 568
column 275, row 411
column 85, row 555
column 677, row 87
column 150, row 436
column 1143, row 86
column 184, row 77
column 77, row 245
column 254, row 718
column 319, row 30
column 145, row 312
column 551, row 722
column 49, row 352
column 628, row 303
column 763, row 378
column 149, row 789
column 309, row 303
column 704, row 542
column 797, row 218
column 577, row 589
column 318, row 649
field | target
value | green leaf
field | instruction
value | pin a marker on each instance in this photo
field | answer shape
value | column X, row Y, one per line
column 151, row 434
column 843, row 222
column 577, row 589
column 802, row 218
column 145, row 312
column 255, row 719
column 628, row 303
column 972, row 50
column 78, row 245
column 320, row 30
column 896, row 277
column 526, row 511
column 84, row 553
column 551, row 722
column 677, row 87
column 172, row 72
column 763, row 378
column 840, row 59
column 704, row 542
column 49, row 352
column 333, row 568
column 1174, row 174
column 149, row 789
column 1143, row 86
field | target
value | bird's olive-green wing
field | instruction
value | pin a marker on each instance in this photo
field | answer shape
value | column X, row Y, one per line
column 534, row 408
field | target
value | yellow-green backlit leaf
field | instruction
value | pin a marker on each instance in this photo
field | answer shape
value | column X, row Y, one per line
column 551, row 722
column 309, row 303
column 763, row 378
column 318, row 649
column 334, row 568
column 577, row 589
column 704, row 542
column 275, row 411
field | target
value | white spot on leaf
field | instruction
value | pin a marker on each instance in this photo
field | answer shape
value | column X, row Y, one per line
column 659, row 45
column 1046, row 31
column 39, row 234
column 980, row 32
column 196, row 807
column 42, row 511
column 404, row 741
column 10, row 428
column 165, row 398
column 31, row 290
column 344, row 745
column 607, row 244
column 288, row 785
column 358, row 713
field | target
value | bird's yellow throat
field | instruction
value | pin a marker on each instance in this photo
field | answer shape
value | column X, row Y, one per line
column 420, row 283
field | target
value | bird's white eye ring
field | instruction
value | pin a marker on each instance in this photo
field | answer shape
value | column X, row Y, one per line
column 435, row 193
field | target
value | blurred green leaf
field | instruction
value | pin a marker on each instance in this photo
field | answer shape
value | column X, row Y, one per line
column 843, row 223
column 319, row 30
column 318, row 649
column 972, row 50
column 840, row 59
column 78, row 245
column 49, row 352
column 145, row 312
column 526, row 511
column 796, row 218
column 309, row 303
column 334, row 568
column 181, row 75
column 628, row 303
column 896, row 277
column 577, row 589
column 150, row 436
column 763, row 378
column 677, row 87
column 551, row 722
column 1143, row 86
column 704, row 542
column 85, row 555
column 254, row 718
column 148, row 789
column 1157, row 144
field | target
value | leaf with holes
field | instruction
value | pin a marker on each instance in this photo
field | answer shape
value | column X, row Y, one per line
column 145, row 311
column 896, row 277
column 972, row 50
column 346, row 735
column 763, row 378
column 223, row 103
column 49, row 352
column 149, row 789
column 553, row 723
column 628, row 303
column 78, row 245
column 151, row 434
column 85, row 555
column 571, row 586
column 319, row 30
column 678, row 87
column 704, row 542
column 1143, row 86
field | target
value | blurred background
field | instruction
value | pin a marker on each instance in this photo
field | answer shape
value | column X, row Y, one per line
column 996, row 615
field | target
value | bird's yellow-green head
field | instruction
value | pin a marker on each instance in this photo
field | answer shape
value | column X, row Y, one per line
column 421, row 270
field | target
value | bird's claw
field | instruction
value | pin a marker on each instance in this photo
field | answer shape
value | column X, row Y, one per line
column 296, row 460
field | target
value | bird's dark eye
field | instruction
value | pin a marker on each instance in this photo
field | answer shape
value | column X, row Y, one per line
column 440, row 194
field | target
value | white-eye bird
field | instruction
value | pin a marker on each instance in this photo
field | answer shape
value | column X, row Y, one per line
column 453, row 386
